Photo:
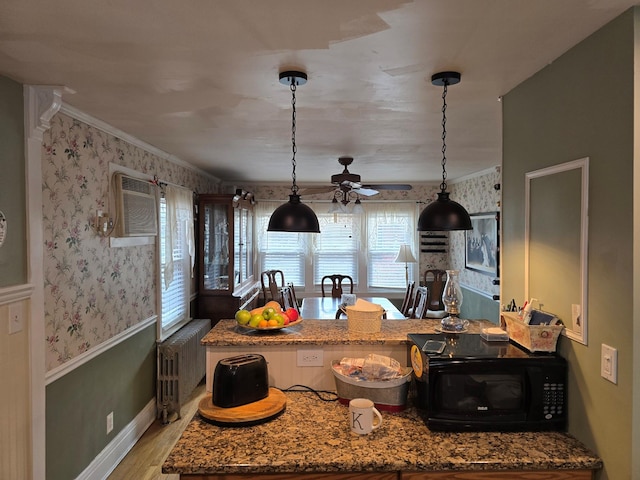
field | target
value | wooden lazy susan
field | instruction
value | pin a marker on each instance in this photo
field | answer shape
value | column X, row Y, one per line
column 252, row 413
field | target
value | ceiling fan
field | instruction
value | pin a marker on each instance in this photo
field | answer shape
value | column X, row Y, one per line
column 350, row 182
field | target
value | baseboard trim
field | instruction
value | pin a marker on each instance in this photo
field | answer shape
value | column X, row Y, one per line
column 109, row 458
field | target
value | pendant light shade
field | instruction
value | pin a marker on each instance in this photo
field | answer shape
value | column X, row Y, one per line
column 293, row 216
column 444, row 214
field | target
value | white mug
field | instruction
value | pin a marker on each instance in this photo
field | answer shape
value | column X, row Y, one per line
column 362, row 414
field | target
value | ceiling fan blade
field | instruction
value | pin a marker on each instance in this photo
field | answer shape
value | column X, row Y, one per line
column 389, row 186
column 365, row 191
column 314, row 190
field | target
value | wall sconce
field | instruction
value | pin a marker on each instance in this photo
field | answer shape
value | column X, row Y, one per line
column 102, row 224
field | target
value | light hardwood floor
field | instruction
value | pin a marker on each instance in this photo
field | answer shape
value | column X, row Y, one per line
column 144, row 461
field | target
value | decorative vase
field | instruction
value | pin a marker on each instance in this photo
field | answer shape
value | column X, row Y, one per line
column 452, row 299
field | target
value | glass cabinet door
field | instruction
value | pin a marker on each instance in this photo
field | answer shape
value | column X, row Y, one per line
column 215, row 260
column 237, row 251
column 248, row 244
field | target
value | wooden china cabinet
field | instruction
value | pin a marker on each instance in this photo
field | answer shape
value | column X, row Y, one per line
column 226, row 280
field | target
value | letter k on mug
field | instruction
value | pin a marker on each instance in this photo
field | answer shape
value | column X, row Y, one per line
column 363, row 416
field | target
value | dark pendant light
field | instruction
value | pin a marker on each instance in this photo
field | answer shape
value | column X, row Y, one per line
column 444, row 214
column 293, row 216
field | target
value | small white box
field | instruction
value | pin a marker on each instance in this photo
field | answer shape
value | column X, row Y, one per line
column 494, row 334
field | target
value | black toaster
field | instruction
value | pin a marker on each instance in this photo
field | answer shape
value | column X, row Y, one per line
column 240, row 380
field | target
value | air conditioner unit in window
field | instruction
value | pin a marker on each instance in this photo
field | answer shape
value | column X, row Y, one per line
column 136, row 207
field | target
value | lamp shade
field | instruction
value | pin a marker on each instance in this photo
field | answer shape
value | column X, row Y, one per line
column 443, row 215
column 405, row 255
column 294, row 216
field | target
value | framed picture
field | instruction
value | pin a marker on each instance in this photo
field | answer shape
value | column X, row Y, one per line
column 482, row 244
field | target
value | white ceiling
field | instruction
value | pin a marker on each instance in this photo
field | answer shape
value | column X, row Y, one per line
column 199, row 78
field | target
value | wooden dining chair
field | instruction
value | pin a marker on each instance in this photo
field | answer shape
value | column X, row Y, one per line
column 407, row 302
column 288, row 299
column 272, row 281
column 336, row 284
column 420, row 303
column 434, row 280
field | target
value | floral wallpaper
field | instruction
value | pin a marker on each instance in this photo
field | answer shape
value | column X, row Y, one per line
column 477, row 194
column 94, row 292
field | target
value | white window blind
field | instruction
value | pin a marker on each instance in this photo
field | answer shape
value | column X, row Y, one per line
column 363, row 246
column 176, row 258
column 389, row 226
column 336, row 248
column 279, row 250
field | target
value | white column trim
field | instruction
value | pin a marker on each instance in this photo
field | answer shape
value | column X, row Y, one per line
column 41, row 103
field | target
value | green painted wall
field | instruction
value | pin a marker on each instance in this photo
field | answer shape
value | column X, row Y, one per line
column 13, row 254
column 478, row 306
column 581, row 105
column 120, row 380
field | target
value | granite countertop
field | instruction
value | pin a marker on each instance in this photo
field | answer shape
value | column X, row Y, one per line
column 325, row 332
column 314, row 436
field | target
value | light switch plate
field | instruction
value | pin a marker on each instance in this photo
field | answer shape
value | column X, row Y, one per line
column 16, row 321
column 609, row 363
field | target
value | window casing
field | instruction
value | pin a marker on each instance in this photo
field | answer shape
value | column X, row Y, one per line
column 175, row 292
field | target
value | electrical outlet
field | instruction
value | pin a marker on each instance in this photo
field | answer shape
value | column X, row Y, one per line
column 109, row 423
column 609, row 363
column 310, row 358
column 16, row 323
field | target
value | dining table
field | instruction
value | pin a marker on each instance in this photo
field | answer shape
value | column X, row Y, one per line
column 326, row 308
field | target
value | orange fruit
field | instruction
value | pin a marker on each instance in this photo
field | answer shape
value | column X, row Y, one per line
column 263, row 323
column 272, row 322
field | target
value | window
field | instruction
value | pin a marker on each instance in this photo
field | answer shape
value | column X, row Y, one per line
column 177, row 256
column 362, row 246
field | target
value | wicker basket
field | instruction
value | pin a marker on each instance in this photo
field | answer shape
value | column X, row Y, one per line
column 364, row 317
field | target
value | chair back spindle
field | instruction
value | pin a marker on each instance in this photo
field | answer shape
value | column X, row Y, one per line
column 407, row 302
column 420, row 304
column 272, row 281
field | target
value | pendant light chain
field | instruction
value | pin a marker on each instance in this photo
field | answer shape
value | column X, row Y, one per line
column 294, row 187
column 443, row 185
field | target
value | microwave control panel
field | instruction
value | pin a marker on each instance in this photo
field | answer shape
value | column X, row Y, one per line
column 553, row 398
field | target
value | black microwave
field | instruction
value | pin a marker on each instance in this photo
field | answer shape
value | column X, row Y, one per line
column 477, row 385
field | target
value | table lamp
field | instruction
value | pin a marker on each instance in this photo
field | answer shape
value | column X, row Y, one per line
column 405, row 255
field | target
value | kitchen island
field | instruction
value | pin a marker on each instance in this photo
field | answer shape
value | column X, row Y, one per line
column 311, row 439
column 318, row 340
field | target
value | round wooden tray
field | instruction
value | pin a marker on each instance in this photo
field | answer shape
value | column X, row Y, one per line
column 268, row 329
column 252, row 413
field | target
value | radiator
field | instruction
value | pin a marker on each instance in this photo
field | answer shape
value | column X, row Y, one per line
column 181, row 366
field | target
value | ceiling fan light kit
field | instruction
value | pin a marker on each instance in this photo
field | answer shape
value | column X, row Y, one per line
column 293, row 216
column 444, row 214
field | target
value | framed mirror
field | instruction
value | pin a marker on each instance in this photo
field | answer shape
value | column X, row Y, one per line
column 556, row 231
